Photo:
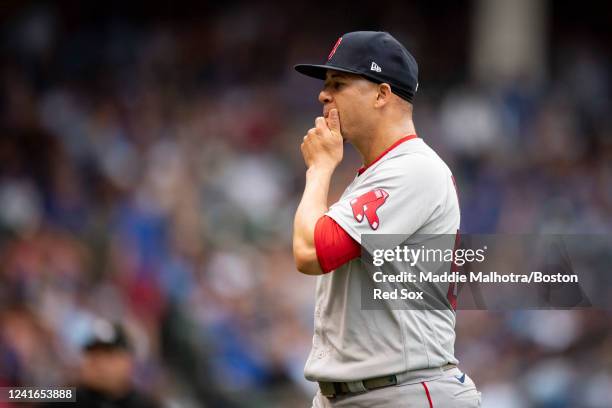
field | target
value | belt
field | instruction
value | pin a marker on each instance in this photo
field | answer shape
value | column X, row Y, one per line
column 334, row 389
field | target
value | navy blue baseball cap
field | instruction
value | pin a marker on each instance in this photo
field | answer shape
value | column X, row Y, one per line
column 376, row 56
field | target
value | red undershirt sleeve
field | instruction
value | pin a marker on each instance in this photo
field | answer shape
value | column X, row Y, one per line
column 334, row 246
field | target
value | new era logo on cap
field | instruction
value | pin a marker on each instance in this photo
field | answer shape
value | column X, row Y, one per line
column 375, row 67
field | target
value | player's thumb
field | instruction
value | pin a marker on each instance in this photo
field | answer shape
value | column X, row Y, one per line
column 334, row 121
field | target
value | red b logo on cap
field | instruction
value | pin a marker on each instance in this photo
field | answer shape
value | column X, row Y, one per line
column 333, row 51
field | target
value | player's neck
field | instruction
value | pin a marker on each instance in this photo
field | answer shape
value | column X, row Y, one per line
column 382, row 139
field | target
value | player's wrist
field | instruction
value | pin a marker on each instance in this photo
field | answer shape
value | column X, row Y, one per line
column 321, row 170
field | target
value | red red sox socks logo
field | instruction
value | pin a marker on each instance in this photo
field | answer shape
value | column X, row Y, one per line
column 367, row 205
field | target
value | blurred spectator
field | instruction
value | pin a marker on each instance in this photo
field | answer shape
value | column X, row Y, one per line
column 105, row 372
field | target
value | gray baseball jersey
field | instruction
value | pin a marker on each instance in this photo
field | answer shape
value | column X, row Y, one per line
column 409, row 190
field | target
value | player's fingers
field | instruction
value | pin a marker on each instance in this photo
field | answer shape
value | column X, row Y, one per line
column 311, row 135
column 320, row 123
column 334, row 121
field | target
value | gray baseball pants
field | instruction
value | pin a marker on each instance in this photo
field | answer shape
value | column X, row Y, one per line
column 452, row 389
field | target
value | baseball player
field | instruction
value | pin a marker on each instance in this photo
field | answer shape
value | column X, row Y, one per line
column 379, row 358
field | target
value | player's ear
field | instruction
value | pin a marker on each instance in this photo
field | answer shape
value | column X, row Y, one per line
column 384, row 95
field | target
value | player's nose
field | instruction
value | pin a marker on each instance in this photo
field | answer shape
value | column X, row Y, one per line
column 324, row 97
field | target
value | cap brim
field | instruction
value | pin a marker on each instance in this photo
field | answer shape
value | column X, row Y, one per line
column 103, row 345
column 319, row 71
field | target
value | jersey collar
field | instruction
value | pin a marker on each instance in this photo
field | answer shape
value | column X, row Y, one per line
column 393, row 146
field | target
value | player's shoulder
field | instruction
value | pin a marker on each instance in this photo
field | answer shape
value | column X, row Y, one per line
column 413, row 160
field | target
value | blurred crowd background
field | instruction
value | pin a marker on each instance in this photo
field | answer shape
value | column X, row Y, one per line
column 150, row 168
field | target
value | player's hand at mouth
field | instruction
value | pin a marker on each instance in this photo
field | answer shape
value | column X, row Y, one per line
column 323, row 144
